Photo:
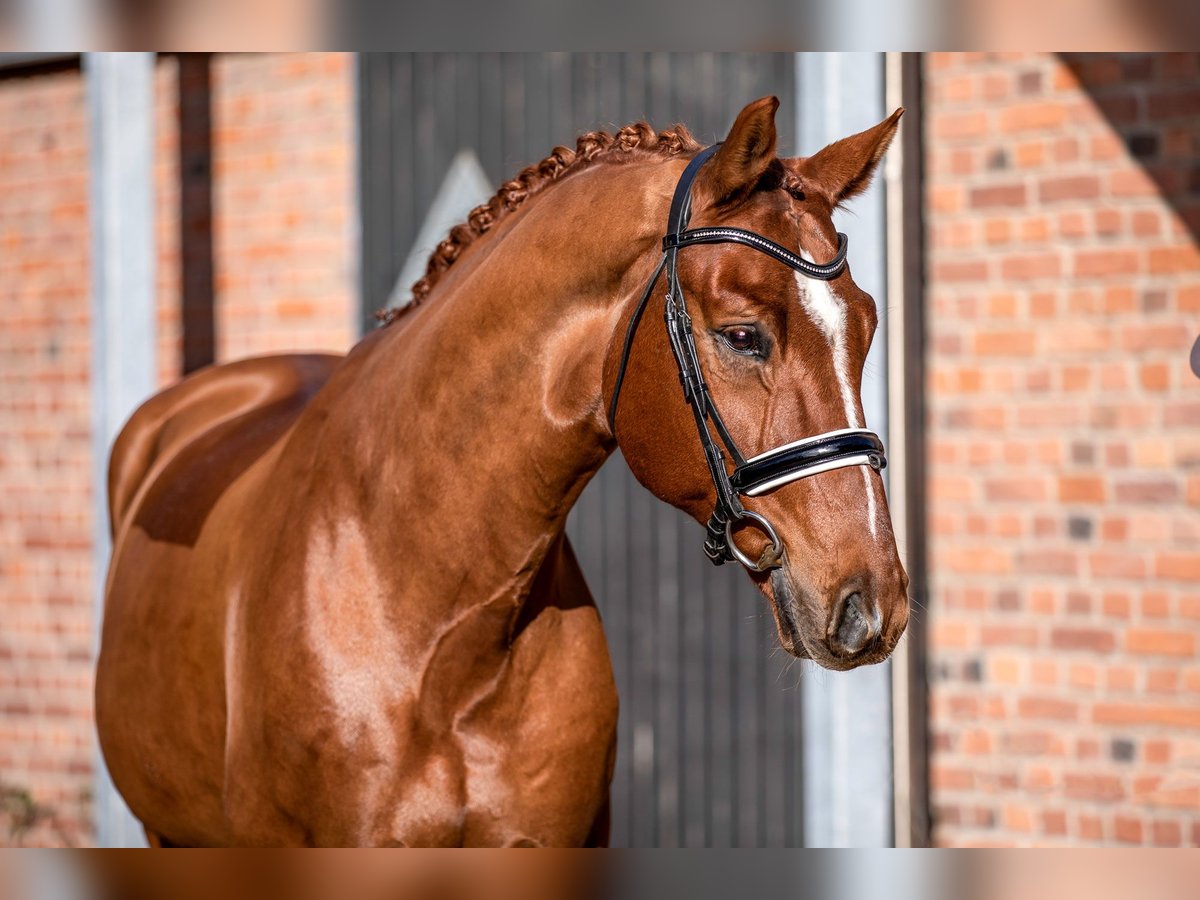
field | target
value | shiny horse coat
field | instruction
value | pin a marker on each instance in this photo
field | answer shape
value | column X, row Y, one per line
column 341, row 608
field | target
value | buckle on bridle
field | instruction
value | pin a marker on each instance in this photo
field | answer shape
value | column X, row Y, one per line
column 770, row 558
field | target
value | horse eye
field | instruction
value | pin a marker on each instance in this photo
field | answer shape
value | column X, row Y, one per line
column 741, row 339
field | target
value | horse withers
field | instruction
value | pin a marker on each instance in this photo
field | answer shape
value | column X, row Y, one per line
column 342, row 609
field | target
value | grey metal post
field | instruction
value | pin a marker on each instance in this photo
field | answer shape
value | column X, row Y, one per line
column 847, row 716
column 120, row 97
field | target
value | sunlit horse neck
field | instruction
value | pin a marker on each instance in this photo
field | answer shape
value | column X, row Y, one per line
column 491, row 390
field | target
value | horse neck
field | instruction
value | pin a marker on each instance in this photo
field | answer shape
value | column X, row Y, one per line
column 485, row 402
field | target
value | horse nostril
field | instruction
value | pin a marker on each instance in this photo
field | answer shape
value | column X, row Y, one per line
column 856, row 627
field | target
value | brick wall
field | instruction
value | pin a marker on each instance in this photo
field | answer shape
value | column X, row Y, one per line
column 285, row 220
column 1063, row 204
column 45, row 453
column 284, row 251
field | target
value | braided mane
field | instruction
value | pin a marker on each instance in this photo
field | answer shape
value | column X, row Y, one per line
column 634, row 141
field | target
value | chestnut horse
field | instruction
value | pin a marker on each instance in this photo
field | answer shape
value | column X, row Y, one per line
column 342, row 609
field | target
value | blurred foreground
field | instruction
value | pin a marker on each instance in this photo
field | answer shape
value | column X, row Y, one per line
column 572, row 875
column 32, row 25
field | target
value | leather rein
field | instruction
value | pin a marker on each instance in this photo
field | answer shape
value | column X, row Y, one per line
column 767, row 471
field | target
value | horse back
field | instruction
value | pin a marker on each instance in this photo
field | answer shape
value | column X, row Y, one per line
column 186, row 444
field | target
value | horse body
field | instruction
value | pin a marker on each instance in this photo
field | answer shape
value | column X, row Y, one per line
column 415, row 658
column 341, row 608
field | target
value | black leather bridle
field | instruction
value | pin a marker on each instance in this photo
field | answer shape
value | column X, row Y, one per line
column 767, row 471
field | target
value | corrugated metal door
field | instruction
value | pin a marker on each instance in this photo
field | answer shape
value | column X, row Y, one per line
column 709, row 751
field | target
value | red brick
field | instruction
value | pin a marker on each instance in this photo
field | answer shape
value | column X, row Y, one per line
column 1094, row 787
column 1160, row 642
column 1132, row 183
column 1014, row 490
column 1146, row 223
column 997, row 231
column 1091, row 828
column 1178, row 566
column 1099, row 70
column 1030, row 267
column 1008, row 636
column 1189, row 607
column 1183, row 794
column 1166, row 834
column 1156, row 605
column 951, row 779
column 295, row 309
column 1094, row 640
column 1054, row 823
column 1047, row 708
column 1127, row 829
column 971, row 124
column 1108, row 222
column 1032, row 117
column 1073, row 187
column 1146, row 714
column 1157, row 752
column 1081, row 489
column 998, row 195
column 964, row 270
column 1029, row 154
column 1083, row 676
column 1079, row 603
column 996, row 85
column 1162, row 681
column 1186, row 413
column 1014, row 342
column 1048, row 562
column 1155, row 376
column 1036, row 230
column 1106, row 263
column 1112, row 564
column 1174, row 103
column 1173, row 260
column 957, row 90
column 1018, row 818
column 1114, row 528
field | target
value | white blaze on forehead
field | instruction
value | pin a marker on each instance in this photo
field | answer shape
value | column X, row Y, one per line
column 828, row 312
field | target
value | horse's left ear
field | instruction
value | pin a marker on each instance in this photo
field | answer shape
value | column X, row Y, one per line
column 744, row 155
column 844, row 168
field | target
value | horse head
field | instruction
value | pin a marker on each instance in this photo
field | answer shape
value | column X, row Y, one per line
column 782, row 354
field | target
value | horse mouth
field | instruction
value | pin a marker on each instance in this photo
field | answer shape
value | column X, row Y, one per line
column 787, row 615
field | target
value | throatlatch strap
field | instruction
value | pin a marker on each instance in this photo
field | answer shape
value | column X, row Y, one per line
column 630, row 332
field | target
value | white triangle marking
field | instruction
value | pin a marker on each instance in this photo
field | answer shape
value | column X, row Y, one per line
column 465, row 186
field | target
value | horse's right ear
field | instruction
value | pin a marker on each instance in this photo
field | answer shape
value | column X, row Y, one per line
column 744, row 156
column 844, row 168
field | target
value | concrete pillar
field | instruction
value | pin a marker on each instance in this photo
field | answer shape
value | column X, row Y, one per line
column 120, row 97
